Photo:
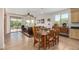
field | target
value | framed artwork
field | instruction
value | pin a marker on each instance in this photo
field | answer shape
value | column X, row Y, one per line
column 38, row 21
column 42, row 20
column 48, row 19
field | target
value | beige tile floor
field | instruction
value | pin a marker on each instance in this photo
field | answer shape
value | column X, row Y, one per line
column 18, row 41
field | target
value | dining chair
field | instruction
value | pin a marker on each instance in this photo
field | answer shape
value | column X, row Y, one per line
column 37, row 38
column 50, row 39
column 53, row 37
column 57, row 31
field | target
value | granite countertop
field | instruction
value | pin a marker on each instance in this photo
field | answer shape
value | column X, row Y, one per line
column 74, row 27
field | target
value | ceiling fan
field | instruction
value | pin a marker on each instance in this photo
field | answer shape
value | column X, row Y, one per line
column 29, row 14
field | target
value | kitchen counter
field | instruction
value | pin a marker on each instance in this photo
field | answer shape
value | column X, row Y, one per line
column 74, row 32
column 74, row 27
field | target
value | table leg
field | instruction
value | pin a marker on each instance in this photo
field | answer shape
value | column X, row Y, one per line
column 44, row 41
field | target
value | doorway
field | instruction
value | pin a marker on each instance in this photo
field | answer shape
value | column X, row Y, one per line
column 15, row 24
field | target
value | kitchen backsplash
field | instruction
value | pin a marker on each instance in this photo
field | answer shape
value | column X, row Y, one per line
column 75, row 24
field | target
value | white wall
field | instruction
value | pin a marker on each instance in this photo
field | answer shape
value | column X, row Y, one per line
column 1, row 28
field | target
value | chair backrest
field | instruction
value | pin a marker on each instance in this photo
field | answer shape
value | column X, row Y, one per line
column 34, row 31
column 54, row 34
column 36, row 35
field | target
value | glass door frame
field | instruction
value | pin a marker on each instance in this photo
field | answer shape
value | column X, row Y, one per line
column 16, row 18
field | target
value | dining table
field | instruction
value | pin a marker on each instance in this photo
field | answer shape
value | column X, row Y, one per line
column 43, row 34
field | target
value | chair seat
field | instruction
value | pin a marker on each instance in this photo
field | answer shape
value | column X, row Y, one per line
column 50, row 39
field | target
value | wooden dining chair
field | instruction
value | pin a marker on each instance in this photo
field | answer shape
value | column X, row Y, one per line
column 53, row 37
column 50, row 39
column 57, row 31
column 37, row 38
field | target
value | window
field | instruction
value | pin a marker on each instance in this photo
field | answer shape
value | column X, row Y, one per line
column 64, row 18
column 61, row 18
column 29, row 23
column 32, row 21
column 57, row 19
column 15, row 23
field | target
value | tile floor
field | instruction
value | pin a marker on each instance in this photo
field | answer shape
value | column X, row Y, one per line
column 18, row 41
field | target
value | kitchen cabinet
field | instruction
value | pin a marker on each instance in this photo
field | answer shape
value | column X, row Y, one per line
column 75, row 15
column 74, row 33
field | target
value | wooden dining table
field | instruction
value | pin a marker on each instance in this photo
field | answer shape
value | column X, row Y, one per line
column 43, row 35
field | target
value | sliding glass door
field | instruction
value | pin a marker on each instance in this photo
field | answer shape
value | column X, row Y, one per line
column 15, row 24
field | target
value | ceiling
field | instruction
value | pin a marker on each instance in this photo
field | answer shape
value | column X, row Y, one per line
column 34, row 11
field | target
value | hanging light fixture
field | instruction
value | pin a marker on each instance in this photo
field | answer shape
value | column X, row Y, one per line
column 30, row 17
column 29, row 14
